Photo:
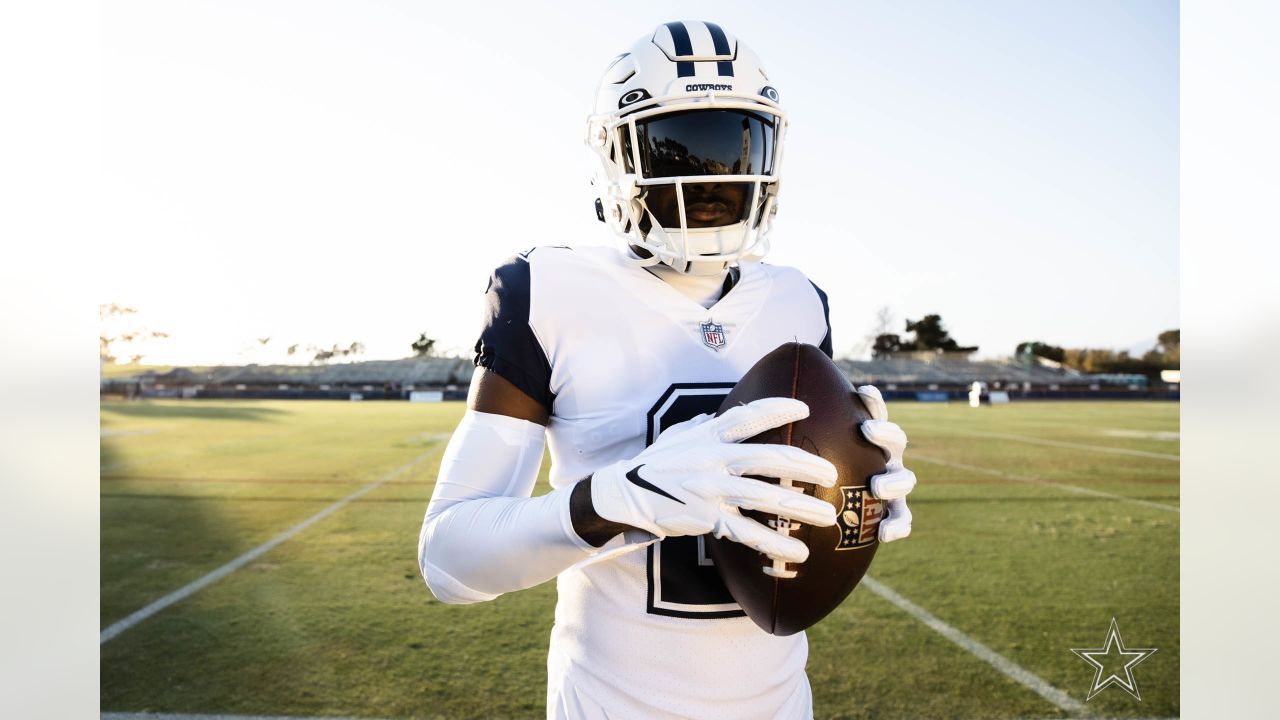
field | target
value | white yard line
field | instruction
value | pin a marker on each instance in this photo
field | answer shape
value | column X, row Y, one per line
column 1161, row 435
column 1052, row 443
column 1038, row 481
column 1105, row 718
column 201, row 583
column 186, row 716
column 1009, row 668
column 110, row 433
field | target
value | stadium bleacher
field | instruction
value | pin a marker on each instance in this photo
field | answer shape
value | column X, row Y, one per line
column 372, row 380
column 922, row 368
column 901, row 376
column 909, row 375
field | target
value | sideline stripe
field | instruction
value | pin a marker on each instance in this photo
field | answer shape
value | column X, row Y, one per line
column 184, row 716
column 1048, row 483
column 201, row 583
column 1052, row 443
column 1010, row 669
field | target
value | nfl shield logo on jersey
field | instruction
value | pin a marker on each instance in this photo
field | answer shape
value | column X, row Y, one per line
column 713, row 335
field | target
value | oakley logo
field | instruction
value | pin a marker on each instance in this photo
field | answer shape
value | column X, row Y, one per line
column 769, row 93
column 701, row 87
column 633, row 97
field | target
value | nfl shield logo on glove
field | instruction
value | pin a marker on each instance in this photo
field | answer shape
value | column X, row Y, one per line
column 713, row 335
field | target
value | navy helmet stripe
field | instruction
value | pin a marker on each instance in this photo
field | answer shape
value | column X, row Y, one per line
column 684, row 48
column 721, row 43
column 680, row 36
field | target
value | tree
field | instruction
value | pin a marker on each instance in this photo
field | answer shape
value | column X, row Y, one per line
column 886, row 343
column 109, row 345
column 1163, row 356
column 1168, row 349
column 931, row 335
column 1039, row 349
column 423, row 346
column 323, row 355
column 1102, row 360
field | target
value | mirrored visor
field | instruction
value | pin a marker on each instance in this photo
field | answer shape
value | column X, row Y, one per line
column 705, row 142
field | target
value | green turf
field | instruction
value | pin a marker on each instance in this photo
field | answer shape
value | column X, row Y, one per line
column 337, row 621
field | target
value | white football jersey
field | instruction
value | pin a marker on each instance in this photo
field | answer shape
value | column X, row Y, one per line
column 618, row 355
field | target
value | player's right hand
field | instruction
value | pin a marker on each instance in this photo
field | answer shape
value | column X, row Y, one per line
column 689, row 481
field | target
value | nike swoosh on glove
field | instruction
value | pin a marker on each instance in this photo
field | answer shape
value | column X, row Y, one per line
column 689, row 481
column 896, row 482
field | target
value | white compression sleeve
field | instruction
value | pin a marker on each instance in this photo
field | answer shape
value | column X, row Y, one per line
column 483, row 535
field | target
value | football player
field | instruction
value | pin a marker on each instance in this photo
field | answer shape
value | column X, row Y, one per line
column 618, row 358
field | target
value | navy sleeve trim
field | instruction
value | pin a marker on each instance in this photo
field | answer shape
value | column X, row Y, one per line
column 825, row 346
column 507, row 344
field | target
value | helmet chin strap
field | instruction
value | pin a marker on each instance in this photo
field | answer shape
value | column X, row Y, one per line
column 641, row 257
column 690, row 262
column 704, row 268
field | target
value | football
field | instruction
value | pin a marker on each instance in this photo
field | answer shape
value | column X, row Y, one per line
column 785, row 598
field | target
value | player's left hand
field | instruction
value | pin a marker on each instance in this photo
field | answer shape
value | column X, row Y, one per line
column 896, row 482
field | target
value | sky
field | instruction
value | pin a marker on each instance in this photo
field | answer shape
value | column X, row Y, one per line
column 320, row 173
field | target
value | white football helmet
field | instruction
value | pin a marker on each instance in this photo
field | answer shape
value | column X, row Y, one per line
column 690, row 133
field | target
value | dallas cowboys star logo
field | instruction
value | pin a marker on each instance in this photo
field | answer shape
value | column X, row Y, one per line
column 1126, row 659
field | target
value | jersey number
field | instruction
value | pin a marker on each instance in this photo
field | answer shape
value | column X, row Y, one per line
column 683, row 581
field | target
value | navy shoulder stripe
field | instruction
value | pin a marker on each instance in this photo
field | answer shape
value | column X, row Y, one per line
column 507, row 344
column 825, row 346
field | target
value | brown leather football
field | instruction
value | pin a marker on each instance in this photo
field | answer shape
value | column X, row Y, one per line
column 785, row 598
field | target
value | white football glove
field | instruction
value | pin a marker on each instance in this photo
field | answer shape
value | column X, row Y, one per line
column 896, row 482
column 689, row 482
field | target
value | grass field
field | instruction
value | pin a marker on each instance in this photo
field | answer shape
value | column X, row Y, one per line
column 1035, row 525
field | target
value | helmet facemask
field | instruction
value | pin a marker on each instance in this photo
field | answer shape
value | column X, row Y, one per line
column 697, row 180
